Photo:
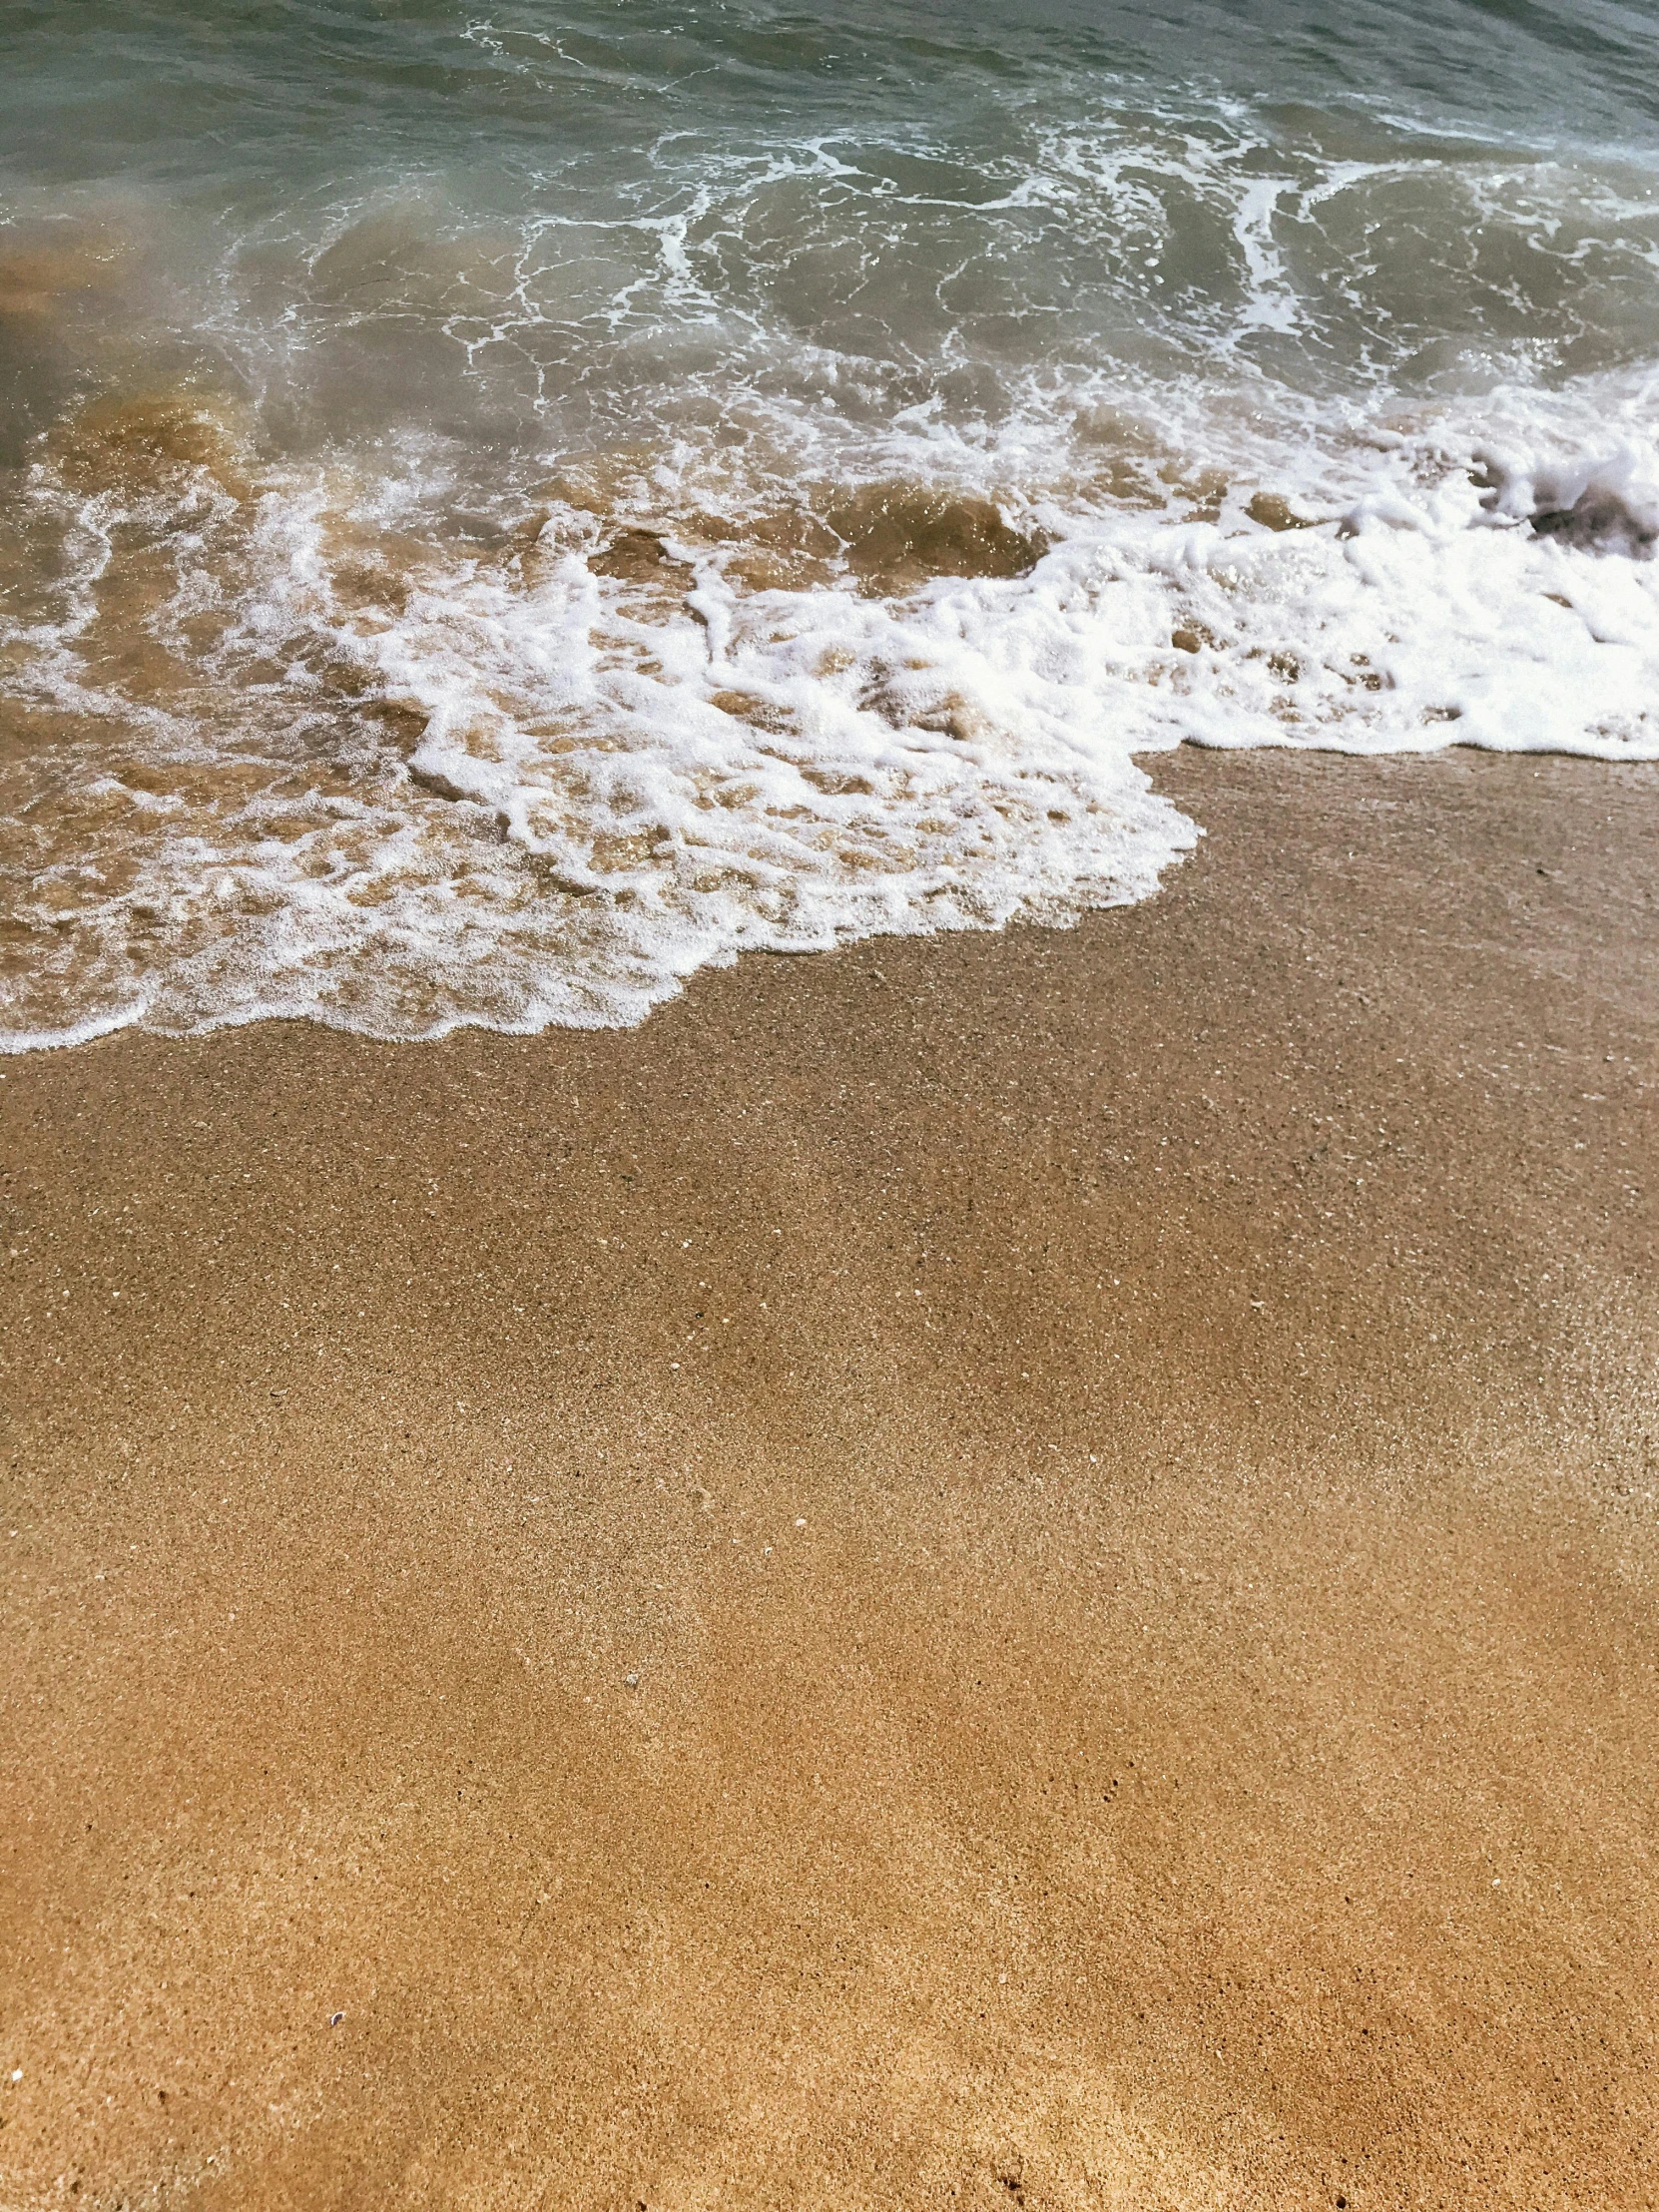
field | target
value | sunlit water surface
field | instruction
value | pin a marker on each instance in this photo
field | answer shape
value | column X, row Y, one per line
column 505, row 506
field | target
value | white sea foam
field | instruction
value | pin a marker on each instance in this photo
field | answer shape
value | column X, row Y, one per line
column 616, row 779
column 806, row 595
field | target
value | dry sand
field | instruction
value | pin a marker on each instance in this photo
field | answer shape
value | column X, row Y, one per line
column 999, row 1571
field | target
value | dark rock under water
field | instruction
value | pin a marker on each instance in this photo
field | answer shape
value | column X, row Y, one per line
column 1598, row 522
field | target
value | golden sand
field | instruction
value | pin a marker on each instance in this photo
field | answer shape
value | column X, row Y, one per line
column 997, row 1571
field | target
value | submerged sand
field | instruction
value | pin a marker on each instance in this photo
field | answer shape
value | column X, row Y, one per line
column 1003, row 1570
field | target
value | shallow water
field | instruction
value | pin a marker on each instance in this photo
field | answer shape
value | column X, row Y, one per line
column 503, row 509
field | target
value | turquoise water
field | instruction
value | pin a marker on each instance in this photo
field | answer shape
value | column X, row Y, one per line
column 506, row 506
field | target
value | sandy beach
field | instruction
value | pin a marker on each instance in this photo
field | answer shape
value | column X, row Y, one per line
column 1013, row 1569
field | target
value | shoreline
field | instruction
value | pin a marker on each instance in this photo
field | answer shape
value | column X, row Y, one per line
column 982, row 1568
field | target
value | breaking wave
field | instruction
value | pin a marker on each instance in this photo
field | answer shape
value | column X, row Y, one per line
column 420, row 618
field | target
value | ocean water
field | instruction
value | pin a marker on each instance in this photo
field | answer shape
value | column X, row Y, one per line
column 503, row 505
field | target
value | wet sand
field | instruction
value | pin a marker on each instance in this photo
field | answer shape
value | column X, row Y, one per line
column 999, row 1571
